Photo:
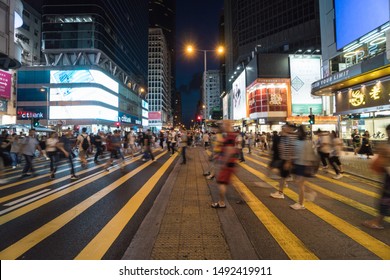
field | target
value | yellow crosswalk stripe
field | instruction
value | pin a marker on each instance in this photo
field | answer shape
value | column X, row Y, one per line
column 374, row 245
column 32, row 239
column 346, row 200
column 288, row 241
column 100, row 244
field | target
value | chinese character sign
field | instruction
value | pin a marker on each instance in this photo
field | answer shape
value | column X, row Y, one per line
column 5, row 84
column 364, row 96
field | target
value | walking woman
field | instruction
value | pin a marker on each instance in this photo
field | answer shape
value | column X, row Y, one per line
column 304, row 160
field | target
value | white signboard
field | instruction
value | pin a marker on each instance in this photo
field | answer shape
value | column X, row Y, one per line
column 239, row 97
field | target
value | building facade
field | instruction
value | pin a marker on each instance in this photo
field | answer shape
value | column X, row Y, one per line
column 356, row 66
column 11, row 20
column 95, row 66
column 213, row 93
column 159, row 80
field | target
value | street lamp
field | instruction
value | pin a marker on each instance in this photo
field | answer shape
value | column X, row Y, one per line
column 220, row 50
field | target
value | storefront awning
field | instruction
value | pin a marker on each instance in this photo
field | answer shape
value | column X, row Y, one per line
column 369, row 70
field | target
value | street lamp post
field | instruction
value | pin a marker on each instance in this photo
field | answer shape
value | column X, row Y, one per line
column 220, row 50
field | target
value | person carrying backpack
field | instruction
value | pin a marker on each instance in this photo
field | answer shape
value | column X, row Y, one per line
column 83, row 142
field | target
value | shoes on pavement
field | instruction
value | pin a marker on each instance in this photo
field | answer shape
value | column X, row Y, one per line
column 206, row 174
column 3, row 181
column 217, row 205
column 74, row 177
column 52, row 176
column 210, row 177
column 277, row 195
column 290, row 179
column 339, row 176
column 143, row 159
column 372, row 225
column 13, row 167
column 297, row 206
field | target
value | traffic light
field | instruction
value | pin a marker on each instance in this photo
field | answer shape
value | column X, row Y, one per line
column 244, row 123
column 118, row 124
column 312, row 119
column 35, row 122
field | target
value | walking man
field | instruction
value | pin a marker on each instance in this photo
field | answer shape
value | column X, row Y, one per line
column 29, row 145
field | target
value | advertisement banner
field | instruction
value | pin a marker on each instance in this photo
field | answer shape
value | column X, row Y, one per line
column 5, row 84
column 304, row 72
column 268, row 95
column 155, row 115
column 239, row 98
column 3, row 105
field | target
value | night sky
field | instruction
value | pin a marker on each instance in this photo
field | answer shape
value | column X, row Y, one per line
column 196, row 22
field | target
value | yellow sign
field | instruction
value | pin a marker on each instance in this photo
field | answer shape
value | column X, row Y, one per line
column 375, row 92
column 357, row 98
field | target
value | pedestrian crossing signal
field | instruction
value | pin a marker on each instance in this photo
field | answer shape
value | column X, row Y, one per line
column 118, row 124
column 35, row 122
column 311, row 119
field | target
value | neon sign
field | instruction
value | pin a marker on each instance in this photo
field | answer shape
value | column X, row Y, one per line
column 357, row 98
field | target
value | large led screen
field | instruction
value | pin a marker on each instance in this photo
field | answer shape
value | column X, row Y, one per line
column 82, row 76
column 83, row 94
column 239, row 97
column 82, row 112
column 355, row 18
column 5, row 84
column 304, row 72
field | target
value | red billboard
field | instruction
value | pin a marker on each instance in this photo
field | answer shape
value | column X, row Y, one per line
column 154, row 115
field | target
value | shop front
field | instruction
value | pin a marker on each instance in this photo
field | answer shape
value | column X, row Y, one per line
column 268, row 103
column 365, row 107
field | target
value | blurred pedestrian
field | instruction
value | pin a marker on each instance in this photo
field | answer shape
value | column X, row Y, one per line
column 66, row 144
column 98, row 142
column 334, row 159
column 324, row 147
column 29, row 145
column 239, row 144
column 52, row 149
column 15, row 150
column 381, row 165
column 304, row 161
column 228, row 161
column 183, row 144
column 148, row 142
column 286, row 153
column 365, row 148
column 115, row 149
column 355, row 136
column 83, row 146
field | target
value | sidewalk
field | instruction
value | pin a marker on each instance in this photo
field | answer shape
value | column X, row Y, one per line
column 182, row 226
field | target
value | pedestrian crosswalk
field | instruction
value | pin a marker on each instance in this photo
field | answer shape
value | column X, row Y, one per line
column 96, row 216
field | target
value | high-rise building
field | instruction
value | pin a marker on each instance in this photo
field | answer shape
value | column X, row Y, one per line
column 28, row 36
column 269, row 26
column 213, row 92
column 162, row 15
column 95, row 65
column 159, row 80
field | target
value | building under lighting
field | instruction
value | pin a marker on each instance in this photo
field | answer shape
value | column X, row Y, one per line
column 95, row 67
column 356, row 67
column 159, row 80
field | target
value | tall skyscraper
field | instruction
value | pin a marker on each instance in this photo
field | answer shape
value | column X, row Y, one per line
column 159, row 80
column 269, row 26
column 162, row 15
column 213, row 92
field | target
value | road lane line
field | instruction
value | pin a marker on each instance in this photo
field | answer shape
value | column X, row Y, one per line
column 51, row 182
column 29, row 241
column 100, row 244
column 287, row 240
column 21, row 211
column 346, row 200
column 25, row 198
column 374, row 245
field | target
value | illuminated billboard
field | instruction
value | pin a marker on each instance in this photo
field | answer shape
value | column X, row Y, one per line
column 304, row 72
column 82, row 76
column 355, row 18
column 239, row 97
column 268, row 97
column 83, row 94
column 82, row 112
column 5, row 84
